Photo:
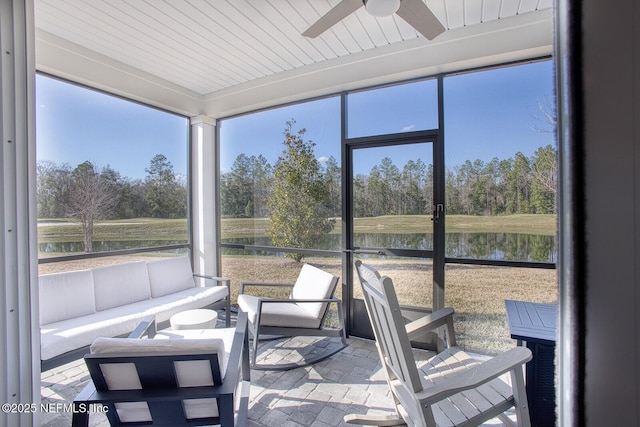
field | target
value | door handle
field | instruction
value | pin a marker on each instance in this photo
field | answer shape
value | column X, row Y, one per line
column 437, row 209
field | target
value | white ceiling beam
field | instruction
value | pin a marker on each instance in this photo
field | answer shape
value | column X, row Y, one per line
column 70, row 61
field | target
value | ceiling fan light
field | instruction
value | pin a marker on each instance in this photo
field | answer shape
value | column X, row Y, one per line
column 381, row 8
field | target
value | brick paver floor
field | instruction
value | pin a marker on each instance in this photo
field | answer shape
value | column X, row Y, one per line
column 320, row 395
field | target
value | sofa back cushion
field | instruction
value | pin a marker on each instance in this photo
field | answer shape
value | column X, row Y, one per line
column 121, row 284
column 170, row 275
column 66, row 295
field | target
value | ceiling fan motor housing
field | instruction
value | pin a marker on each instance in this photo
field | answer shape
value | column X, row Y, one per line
column 381, row 8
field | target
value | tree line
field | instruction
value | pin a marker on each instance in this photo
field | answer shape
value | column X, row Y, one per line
column 517, row 185
column 299, row 184
column 88, row 193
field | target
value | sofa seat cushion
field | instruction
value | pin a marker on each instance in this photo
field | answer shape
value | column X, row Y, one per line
column 60, row 337
column 66, row 295
column 117, row 285
column 67, row 335
column 170, row 275
column 165, row 307
column 282, row 314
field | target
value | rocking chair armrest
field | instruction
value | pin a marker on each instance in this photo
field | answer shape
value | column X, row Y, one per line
column 432, row 321
column 475, row 376
column 265, row 285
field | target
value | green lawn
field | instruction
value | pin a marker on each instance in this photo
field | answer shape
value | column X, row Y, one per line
column 63, row 230
column 525, row 224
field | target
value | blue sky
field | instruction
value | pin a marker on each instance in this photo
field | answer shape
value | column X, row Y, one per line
column 74, row 124
column 495, row 113
column 487, row 114
column 262, row 133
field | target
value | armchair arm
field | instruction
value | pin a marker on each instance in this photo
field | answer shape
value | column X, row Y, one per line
column 80, row 417
column 289, row 300
column 265, row 285
column 146, row 327
column 432, row 321
column 475, row 376
column 238, row 368
column 226, row 280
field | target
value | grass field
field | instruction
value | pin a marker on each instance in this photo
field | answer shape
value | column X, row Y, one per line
column 64, row 230
column 477, row 293
column 51, row 230
column 526, row 224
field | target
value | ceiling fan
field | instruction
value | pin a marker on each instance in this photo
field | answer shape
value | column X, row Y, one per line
column 415, row 12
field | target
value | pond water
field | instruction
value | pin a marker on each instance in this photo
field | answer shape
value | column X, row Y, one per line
column 495, row 246
column 103, row 245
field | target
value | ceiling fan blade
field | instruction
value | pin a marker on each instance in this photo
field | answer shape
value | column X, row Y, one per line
column 335, row 15
column 420, row 17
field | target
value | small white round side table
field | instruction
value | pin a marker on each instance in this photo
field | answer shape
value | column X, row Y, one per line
column 200, row 318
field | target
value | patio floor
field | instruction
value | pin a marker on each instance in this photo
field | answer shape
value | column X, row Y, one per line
column 320, row 395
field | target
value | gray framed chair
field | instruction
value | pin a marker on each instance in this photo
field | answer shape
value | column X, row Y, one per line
column 302, row 314
column 177, row 378
column 450, row 389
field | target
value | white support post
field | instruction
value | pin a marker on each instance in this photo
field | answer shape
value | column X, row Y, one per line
column 204, row 228
column 19, row 334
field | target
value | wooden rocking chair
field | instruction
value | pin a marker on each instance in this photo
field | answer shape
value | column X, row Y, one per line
column 451, row 389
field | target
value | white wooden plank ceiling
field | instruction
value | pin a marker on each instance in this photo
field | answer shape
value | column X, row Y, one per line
column 209, row 45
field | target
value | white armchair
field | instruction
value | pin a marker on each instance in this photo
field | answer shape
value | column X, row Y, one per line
column 302, row 314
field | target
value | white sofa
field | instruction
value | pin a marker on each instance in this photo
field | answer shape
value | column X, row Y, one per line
column 77, row 307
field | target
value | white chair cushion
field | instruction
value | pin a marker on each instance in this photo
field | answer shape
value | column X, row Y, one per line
column 162, row 345
column 313, row 283
column 66, row 295
column 277, row 314
column 121, row 284
column 224, row 334
column 170, row 275
column 188, row 373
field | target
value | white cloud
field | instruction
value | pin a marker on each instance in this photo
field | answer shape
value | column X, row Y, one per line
column 408, row 128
